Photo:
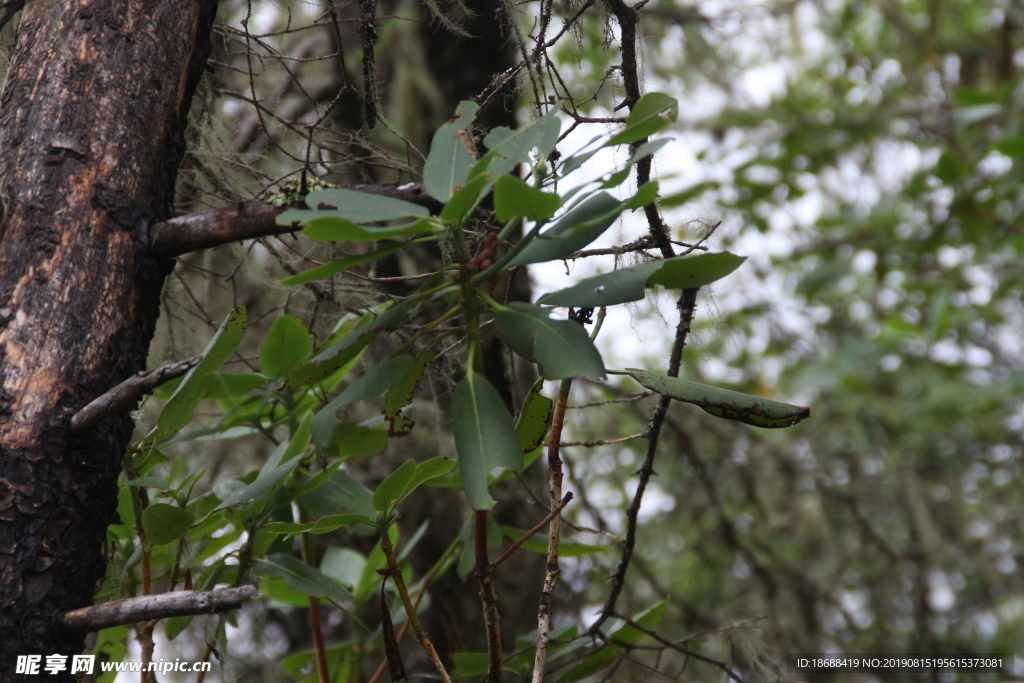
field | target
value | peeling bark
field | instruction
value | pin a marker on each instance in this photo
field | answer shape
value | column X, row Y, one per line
column 92, row 121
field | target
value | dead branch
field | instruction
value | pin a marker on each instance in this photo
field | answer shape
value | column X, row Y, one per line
column 128, row 392
column 248, row 220
column 148, row 607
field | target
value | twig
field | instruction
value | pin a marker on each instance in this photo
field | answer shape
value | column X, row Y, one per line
column 604, row 442
column 396, row 575
column 529, row 534
column 687, row 302
column 724, row 666
column 552, row 571
column 149, row 607
column 129, row 392
column 248, row 220
column 485, row 576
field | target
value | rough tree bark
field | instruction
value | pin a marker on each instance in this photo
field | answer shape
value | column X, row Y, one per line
column 92, row 121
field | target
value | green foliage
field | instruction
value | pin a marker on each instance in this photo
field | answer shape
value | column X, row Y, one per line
column 308, row 386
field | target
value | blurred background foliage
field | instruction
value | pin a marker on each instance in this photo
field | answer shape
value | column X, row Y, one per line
column 866, row 155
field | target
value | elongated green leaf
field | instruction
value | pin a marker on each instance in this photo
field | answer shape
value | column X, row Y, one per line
column 367, row 388
column 324, row 525
column 628, row 284
column 539, row 544
column 513, row 197
column 179, row 408
column 339, row 493
column 165, row 523
column 485, row 437
column 400, row 395
column 150, row 482
column 301, row 577
column 391, row 489
column 647, row 149
column 451, row 154
column 573, row 231
column 647, row 193
column 561, row 348
column 509, row 148
column 363, row 207
column 427, row 470
column 345, row 350
column 651, row 113
column 352, row 440
column 464, row 199
column 730, row 405
column 625, row 635
column 340, row 265
column 260, row 487
column 534, row 419
column 295, row 446
column 230, row 386
column 326, row 226
column 286, row 345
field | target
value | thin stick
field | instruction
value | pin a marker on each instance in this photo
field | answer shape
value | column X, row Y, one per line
column 526, row 537
column 421, row 635
column 555, row 490
column 492, row 619
column 151, row 607
column 128, row 392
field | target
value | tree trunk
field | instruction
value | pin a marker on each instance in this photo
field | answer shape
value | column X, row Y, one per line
column 92, row 121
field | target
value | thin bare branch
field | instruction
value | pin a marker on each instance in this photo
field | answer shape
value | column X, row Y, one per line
column 248, row 220
column 128, row 392
column 149, row 607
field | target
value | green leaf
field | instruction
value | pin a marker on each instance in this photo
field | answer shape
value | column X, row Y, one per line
column 324, row 525
column 509, row 148
column 227, row 386
column 647, row 149
column 295, row 446
column 339, row 265
column 647, row 193
column 345, row 350
column 301, row 577
column 363, row 207
column 325, row 226
column 400, row 395
column 464, row 200
column 534, row 419
column 451, row 154
column 651, row 113
column 513, row 197
column 470, row 664
column 730, row 405
column 165, row 523
column 339, row 493
column 625, row 635
column 1012, row 147
column 583, row 224
column 367, row 388
column 177, row 412
column 561, row 348
column 391, row 489
column 352, row 440
column 252, row 493
column 485, row 437
column 539, row 544
column 427, row 470
column 286, row 345
column 150, row 482
column 628, row 284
